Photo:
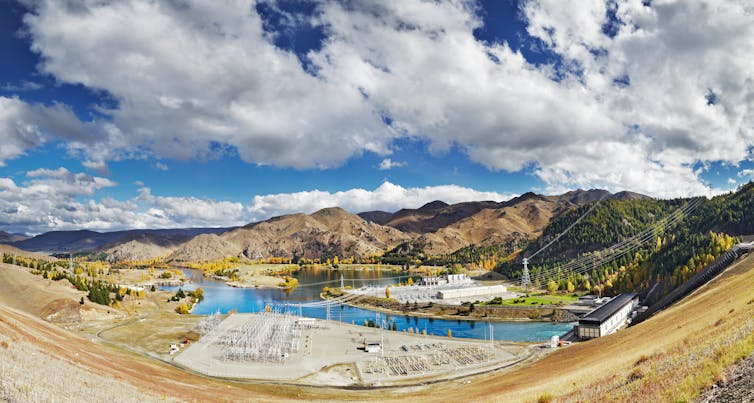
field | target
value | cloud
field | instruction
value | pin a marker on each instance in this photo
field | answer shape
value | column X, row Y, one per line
column 24, row 126
column 202, row 79
column 746, row 173
column 196, row 212
column 387, row 197
column 99, row 167
column 731, row 181
column 57, row 199
column 387, row 164
column 161, row 166
column 22, row 86
column 635, row 106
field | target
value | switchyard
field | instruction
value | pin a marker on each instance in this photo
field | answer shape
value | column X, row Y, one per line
column 281, row 346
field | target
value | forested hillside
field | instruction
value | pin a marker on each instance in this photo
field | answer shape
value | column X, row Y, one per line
column 661, row 262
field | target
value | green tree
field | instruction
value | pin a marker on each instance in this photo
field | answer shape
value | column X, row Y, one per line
column 552, row 286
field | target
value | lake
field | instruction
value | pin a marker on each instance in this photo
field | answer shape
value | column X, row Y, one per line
column 219, row 297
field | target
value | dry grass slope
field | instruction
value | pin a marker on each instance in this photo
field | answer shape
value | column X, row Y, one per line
column 672, row 356
column 28, row 374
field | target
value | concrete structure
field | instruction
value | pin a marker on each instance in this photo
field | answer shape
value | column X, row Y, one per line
column 448, row 279
column 431, row 280
column 468, row 292
column 457, row 279
column 592, row 300
column 607, row 318
column 372, row 347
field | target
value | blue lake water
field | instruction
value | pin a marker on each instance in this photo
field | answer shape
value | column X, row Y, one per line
column 219, row 297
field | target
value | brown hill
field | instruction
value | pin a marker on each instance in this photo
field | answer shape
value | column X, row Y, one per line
column 12, row 250
column 376, row 216
column 10, row 238
column 136, row 250
column 142, row 246
column 331, row 231
column 435, row 215
column 526, row 217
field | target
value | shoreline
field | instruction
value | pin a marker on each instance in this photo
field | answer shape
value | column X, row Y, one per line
column 468, row 318
column 239, row 284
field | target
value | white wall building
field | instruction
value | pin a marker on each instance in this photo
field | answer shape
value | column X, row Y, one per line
column 607, row 318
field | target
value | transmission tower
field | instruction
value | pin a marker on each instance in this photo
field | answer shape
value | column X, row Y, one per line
column 525, row 281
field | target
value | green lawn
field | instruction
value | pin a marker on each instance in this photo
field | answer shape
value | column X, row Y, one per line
column 540, row 299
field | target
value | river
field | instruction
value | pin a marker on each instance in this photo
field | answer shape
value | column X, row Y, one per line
column 219, row 297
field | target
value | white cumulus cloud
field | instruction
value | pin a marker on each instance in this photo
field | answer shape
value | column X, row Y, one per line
column 387, row 164
column 387, row 197
column 671, row 87
column 58, row 199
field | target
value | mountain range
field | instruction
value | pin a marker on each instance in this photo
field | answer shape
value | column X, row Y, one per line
column 441, row 227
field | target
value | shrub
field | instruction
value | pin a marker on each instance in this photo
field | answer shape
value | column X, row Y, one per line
column 635, row 375
column 641, row 360
column 182, row 309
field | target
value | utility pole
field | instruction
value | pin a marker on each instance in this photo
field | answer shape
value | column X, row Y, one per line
column 525, row 280
column 382, row 339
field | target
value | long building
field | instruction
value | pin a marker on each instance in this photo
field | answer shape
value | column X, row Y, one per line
column 467, row 292
column 608, row 317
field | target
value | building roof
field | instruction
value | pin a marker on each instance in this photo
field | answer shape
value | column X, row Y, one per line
column 604, row 312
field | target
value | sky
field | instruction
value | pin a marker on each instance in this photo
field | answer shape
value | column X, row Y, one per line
column 140, row 114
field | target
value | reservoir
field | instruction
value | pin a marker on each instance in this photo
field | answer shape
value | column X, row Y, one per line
column 219, row 297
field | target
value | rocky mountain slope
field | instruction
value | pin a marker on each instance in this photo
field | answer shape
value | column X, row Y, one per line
column 440, row 227
column 10, row 238
column 91, row 241
column 328, row 232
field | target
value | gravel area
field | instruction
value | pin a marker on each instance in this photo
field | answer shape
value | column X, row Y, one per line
column 738, row 385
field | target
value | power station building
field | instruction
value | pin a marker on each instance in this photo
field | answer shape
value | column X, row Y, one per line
column 607, row 318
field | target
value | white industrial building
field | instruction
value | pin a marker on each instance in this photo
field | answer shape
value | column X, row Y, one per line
column 448, row 279
column 467, row 292
column 607, row 318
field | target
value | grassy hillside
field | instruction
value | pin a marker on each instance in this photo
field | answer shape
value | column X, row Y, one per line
column 670, row 357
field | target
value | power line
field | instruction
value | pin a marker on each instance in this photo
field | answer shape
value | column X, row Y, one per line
column 613, row 252
column 592, row 261
column 633, row 242
column 570, row 226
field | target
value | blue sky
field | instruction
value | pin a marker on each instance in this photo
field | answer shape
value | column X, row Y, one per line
column 130, row 114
